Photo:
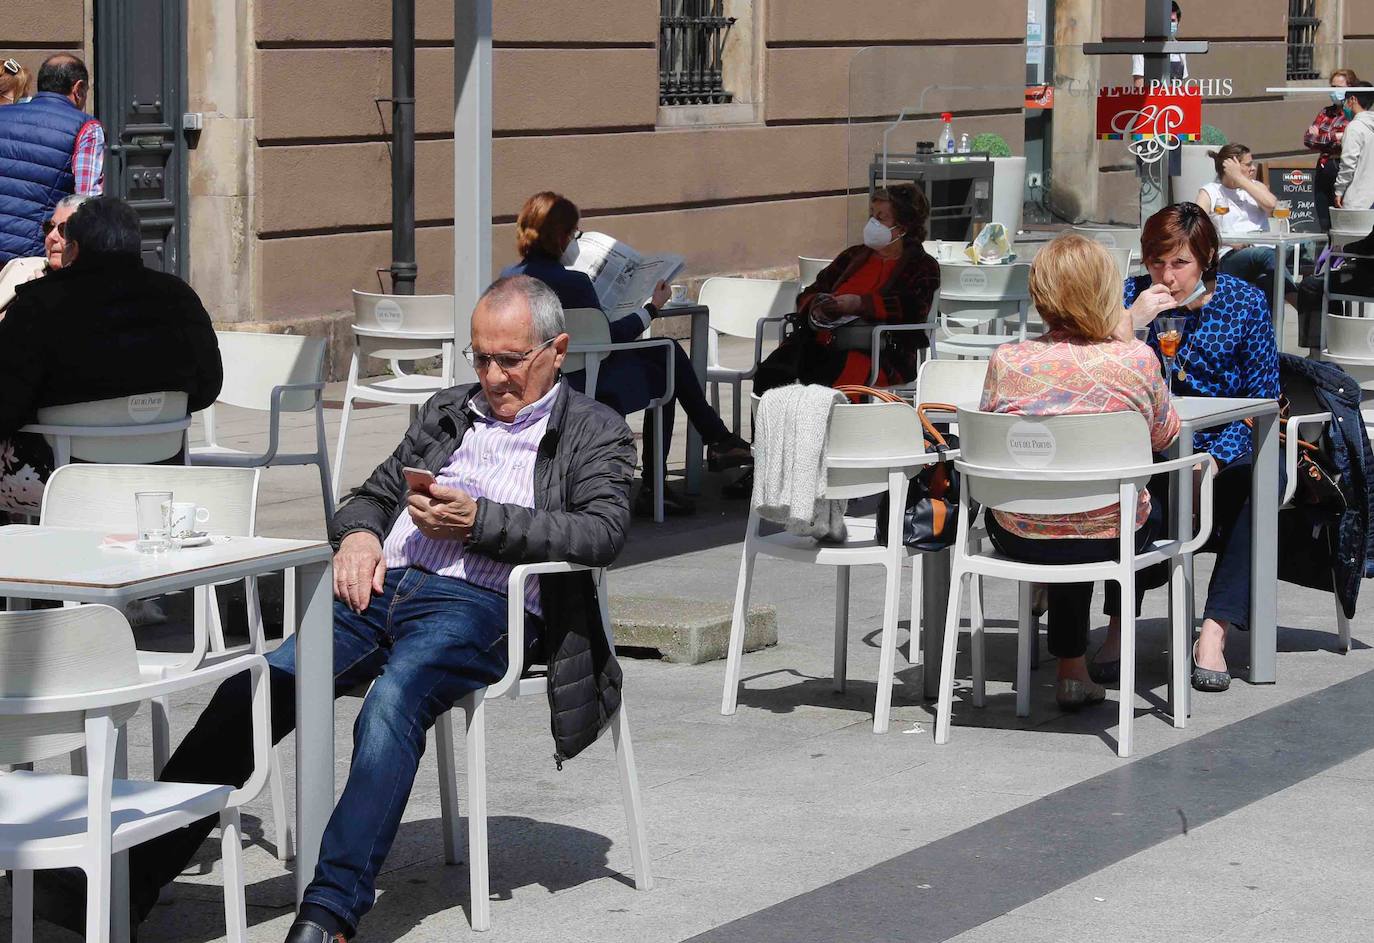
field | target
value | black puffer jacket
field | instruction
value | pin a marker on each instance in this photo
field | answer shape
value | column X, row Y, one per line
column 1316, row 551
column 582, row 515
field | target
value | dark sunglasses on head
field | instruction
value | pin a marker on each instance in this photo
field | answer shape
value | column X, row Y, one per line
column 49, row 226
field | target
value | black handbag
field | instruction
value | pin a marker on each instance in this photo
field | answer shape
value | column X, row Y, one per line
column 1319, row 484
column 931, row 519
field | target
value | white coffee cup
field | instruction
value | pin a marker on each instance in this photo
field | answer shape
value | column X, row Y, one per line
column 946, row 251
column 186, row 517
column 679, row 294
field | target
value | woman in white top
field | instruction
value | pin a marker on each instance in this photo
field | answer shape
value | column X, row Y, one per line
column 1238, row 204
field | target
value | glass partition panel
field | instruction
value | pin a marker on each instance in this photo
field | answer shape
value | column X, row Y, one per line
column 1029, row 150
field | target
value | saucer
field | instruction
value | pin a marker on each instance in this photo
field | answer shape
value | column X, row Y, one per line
column 192, row 540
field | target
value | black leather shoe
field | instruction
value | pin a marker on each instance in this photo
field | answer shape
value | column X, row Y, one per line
column 308, row 931
column 675, row 504
column 741, row 487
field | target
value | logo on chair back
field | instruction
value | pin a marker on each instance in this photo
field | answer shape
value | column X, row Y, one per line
column 973, row 280
column 1031, row 444
column 145, row 407
column 388, row 314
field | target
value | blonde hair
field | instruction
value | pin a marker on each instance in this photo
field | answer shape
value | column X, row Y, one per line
column 1074, row 284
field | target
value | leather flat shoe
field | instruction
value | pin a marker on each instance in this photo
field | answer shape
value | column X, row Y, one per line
column 308, row 931
column 1071, row 694
column 741, row 487
column 1105, row 672
column 1207, row 679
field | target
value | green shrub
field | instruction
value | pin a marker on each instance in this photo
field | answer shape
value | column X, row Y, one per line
column 1213, row 136
column 993, row 144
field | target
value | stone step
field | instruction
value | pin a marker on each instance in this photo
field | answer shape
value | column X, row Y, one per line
column 687, row 631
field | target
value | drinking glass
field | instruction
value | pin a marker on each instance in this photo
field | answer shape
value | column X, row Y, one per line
column 152, row 510
column 1221, row 207
column 1170, row 335
column 1283, row 211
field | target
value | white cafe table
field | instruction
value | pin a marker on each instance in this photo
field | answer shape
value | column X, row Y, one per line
column 1281, row 243
column 1196, row 413
column 71, row 566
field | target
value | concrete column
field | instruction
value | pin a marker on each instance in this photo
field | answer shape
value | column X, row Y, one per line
column 221, row 71
column 1075, row 163
column 471, row 161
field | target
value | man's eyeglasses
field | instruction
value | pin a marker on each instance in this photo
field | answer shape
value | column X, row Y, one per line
column 49, row 226
column 508, row 362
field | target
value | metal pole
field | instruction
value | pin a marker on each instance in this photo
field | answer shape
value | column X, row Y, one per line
column 403, row 267
column 1154, row 177
column 471, row 163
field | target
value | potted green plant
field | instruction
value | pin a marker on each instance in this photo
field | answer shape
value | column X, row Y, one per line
column 1008, row 180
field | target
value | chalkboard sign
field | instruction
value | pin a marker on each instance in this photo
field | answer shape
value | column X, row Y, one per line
column 1294, row 184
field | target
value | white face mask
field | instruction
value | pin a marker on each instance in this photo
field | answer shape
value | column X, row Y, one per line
column 570, row 254
column 1338, row 98
column 876, row 235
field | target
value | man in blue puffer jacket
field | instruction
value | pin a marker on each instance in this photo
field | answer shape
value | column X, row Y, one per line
column 50, row 148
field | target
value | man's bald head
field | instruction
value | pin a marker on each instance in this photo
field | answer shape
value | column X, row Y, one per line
column 66, row 75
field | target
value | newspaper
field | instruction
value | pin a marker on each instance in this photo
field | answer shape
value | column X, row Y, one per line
column 623, row 278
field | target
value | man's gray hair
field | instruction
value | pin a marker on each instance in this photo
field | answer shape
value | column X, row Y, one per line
column 70, row 202
column 546, row 312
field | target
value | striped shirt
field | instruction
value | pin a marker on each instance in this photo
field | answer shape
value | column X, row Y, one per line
column 495, row 461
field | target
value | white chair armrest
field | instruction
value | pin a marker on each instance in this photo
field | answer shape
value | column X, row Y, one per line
column 515, row 619
column 103, row 701
column 758, row 340
column 1290, row 453
column 659, row 342
column 274, row 415
column 880, row 330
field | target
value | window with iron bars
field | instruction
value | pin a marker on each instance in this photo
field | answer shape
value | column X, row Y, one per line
column 1302, row 39
column 691, row 48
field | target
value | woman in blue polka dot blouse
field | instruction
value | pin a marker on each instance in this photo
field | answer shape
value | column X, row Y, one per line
column 1227, row 349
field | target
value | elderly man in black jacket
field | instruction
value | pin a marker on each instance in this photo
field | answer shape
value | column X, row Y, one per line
column 526, row 470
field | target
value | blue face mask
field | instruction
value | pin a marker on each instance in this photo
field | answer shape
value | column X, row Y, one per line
column 1337, row 98
column 1173, row 29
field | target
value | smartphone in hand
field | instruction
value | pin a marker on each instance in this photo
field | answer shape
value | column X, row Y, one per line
column 419, row 479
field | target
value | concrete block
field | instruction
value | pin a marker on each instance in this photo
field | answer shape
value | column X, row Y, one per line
column 687, row 631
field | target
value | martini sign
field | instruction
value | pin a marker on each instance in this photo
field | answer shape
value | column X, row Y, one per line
column 1153, row 122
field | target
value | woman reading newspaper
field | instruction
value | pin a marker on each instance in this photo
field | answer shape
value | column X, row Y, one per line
column 546, row 237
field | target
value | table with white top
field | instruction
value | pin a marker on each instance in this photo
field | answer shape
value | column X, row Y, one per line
column 72, row 566
column 1281, row 243
column 1196, row 413
column 701, row 318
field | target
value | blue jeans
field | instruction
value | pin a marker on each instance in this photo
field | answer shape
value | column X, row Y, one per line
column 1255, row 264
column 424, row 643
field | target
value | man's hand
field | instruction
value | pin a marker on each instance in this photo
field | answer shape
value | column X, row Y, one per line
column 1337, row 202
column 444, row 513
column 358, row 569
column 662, row 292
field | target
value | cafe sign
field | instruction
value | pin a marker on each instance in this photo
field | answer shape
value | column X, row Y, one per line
column 1153, row 122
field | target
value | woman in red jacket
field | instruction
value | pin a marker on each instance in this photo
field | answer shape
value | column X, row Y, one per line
column 890, row 279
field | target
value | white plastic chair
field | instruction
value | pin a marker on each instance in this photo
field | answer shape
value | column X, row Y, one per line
column 870, row 449
column 516, row 683
column 973, row 297
column 400, row 329
column 1061, row 465
column 71, row 680
column 1114, row 237
column 743, row 307
column 1350, row 225
column 590, row 335
column 101, row 497
column 275, row 374
column 145, row 428
column 807, row 270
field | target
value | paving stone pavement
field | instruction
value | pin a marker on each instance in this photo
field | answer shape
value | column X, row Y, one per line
column 773, row 806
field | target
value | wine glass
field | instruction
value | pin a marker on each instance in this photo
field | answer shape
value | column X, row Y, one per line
column 1170, row 335
column 1221, row 207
